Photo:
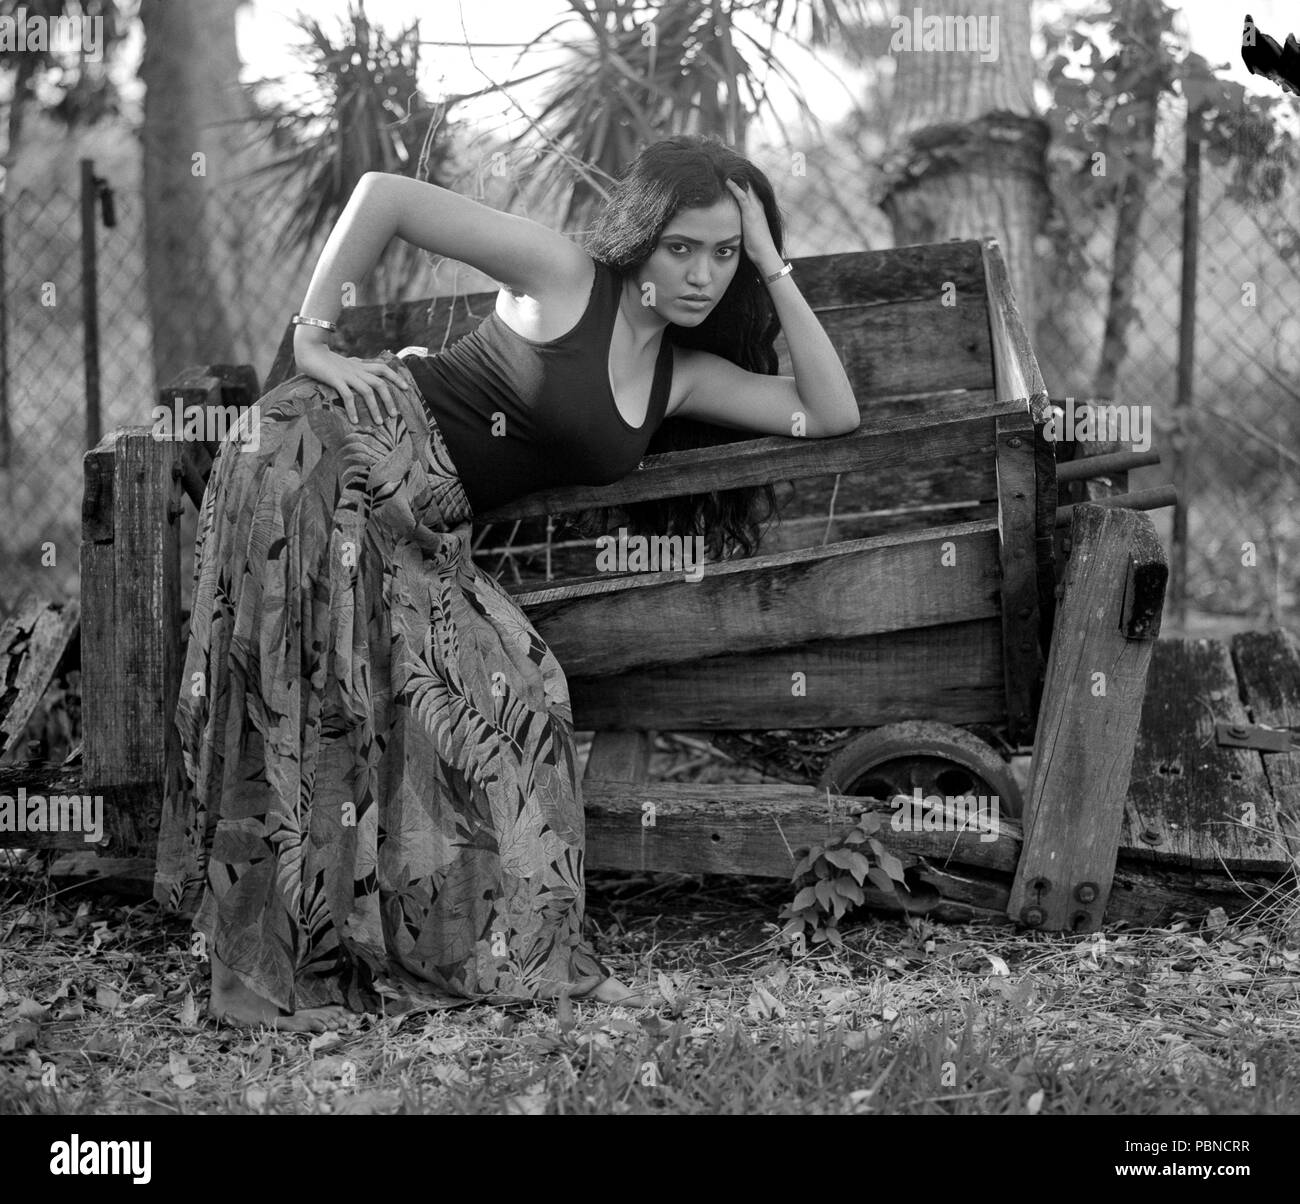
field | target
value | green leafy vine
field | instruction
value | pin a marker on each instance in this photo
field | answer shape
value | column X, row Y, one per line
column 830, row 878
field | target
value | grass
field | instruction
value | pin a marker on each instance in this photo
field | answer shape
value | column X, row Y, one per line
column 100, row 1012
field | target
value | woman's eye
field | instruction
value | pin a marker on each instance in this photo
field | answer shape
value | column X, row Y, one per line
column 727, row 251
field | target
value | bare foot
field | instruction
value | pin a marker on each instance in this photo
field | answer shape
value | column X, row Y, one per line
column 234, row 1004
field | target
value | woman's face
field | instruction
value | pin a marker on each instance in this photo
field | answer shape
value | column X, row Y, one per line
column 696, row 257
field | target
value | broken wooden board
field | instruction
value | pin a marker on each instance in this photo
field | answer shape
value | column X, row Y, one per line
column 130, row 811
column 1191, row 802
column 1268, row 672
column 32, row 643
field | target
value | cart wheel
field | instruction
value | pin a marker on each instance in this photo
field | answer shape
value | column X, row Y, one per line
column 937, row 757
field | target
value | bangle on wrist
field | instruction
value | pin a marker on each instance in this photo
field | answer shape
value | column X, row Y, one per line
column 783, row 271
column 299, row 320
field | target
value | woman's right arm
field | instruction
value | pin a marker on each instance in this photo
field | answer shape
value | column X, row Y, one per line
column 524, row 255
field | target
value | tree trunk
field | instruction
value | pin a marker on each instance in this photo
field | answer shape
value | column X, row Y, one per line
column 969, row 158
column 1144, row 19
column 193, row 107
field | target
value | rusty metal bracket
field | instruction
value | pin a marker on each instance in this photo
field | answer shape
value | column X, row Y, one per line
column 1258, row 736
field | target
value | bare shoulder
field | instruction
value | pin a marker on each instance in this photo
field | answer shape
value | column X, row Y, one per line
column 545, row 312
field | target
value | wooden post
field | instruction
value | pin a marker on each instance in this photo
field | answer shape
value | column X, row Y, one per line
column 1088, row 722
column 130, row 597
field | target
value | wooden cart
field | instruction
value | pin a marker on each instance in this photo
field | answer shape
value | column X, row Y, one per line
column 958, row 598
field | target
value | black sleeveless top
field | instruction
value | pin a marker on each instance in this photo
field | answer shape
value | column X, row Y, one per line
column 555, row 419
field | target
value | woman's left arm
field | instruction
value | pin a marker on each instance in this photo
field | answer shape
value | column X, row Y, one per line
column 723, row 393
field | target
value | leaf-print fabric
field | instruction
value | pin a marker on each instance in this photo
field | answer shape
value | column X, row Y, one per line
column 380, row 779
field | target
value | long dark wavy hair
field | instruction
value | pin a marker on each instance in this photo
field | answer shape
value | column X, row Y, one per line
column 685, row 172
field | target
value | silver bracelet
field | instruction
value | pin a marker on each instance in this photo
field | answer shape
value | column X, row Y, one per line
column 299, row 320
column 785, row 271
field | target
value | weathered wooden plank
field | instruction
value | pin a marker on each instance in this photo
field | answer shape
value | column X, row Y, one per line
column 122, row 875
column 128, row 696
column 813, row 531
column 1150, row 895
column 1087, row 729
column 97, row 491
column 32, row 643
column 887, row 442
column 619, row 757
column 610, row 625
column 129, row 811
column 907, row 346
column 1188, row 796
column 966, row 479
column 1015, row 367
column 1268, row 672
column 951, row 673
column 1045, row 549
column 1022, row 659
column 740, row 828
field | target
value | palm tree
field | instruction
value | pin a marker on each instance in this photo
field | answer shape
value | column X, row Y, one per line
column 364, row 112
column 968, row 146
column 638, row 72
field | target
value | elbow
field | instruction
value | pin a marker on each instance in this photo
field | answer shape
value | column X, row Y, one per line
column 849, row 425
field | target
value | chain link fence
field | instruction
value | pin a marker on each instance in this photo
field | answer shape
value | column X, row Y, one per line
column 1238, row 434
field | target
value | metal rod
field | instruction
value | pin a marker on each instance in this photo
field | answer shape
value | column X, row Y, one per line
column 1099, row 466
column 90, row 300
column 1144, row 499
column 1181, row 457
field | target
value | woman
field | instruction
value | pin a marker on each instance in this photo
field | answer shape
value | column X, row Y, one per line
column 380, row 746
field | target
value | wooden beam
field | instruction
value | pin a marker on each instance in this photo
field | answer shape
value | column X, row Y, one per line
column 609, row 625
column 1015, row 367
column 950, row 431
column 739, row 828
column 1087, row 727
column 950, row 673
column 131, row 611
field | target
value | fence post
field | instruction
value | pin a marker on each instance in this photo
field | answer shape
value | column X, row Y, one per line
column 90, row 300
column 6, row 444
column 1186, row 364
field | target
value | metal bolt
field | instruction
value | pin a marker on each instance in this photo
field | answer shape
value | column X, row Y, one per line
column 1085, row 892
column 1151, row 836
column 1025, row 612
column 1032, row 917
column 1237, row 731
column 1014, row 441
column 1041, row 885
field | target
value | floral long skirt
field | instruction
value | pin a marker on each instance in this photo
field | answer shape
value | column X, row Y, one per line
column 380, row 779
